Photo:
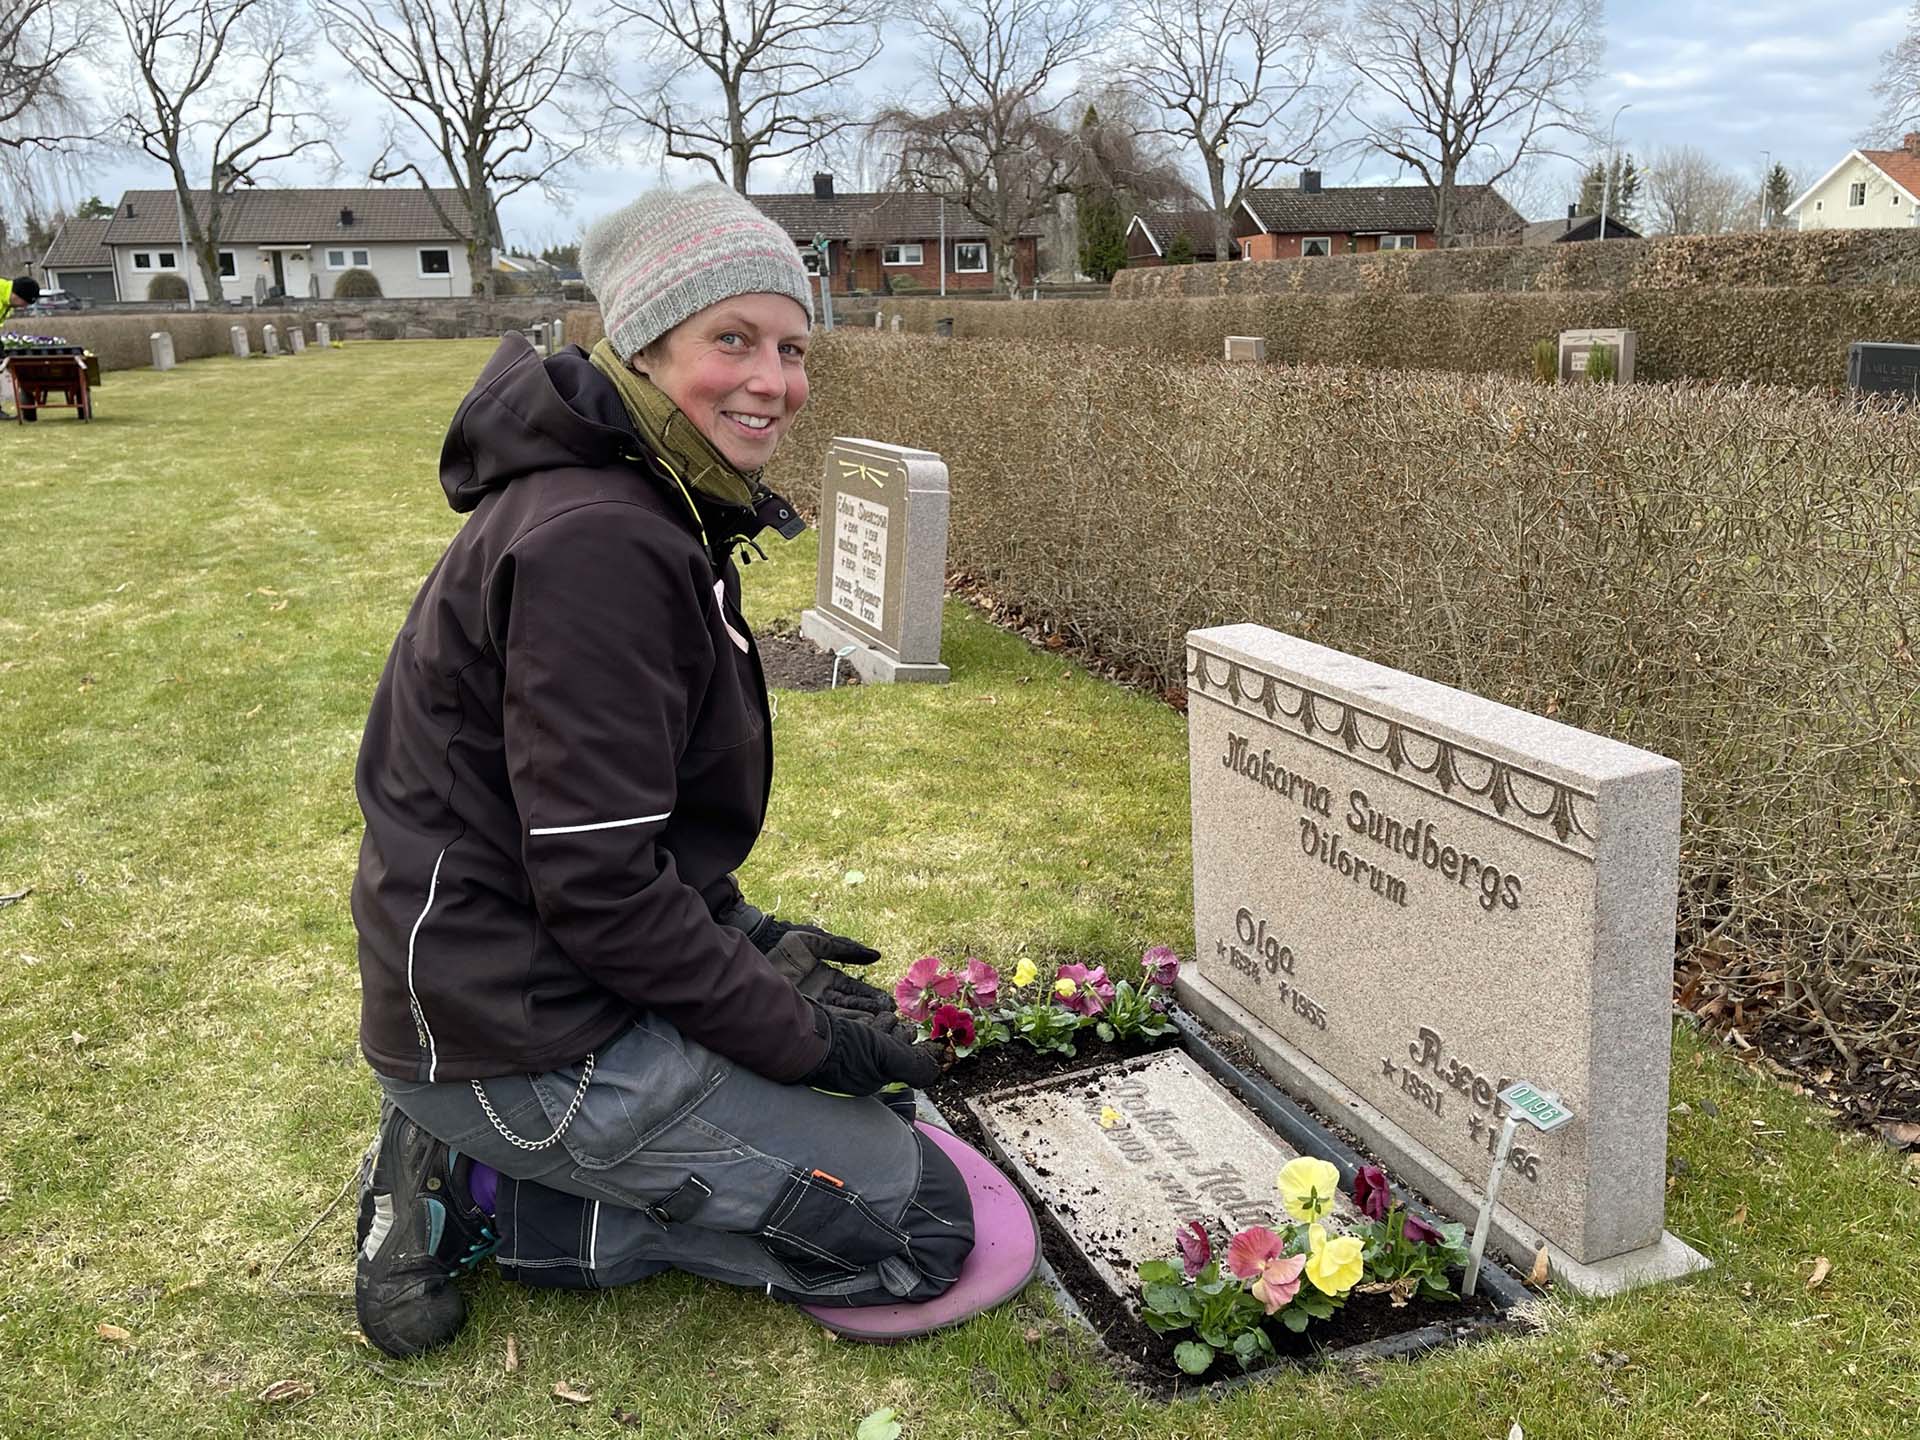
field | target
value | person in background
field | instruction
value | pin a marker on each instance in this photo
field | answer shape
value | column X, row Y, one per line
column 597, row 1058
column 21, row 290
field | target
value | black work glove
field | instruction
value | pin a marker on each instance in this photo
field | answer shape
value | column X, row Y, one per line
column 795, row 961
column 767, row 931
column 860, row 1060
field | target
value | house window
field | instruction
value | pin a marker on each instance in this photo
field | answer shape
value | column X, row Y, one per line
column 1314, row 245
column 970, row 258
column 436, row 262
column 355, row 259
column 900, row 255
column 1857, row 193
column 227, row 268
column 155, row 260
column 142, row 260
column 1396, row 242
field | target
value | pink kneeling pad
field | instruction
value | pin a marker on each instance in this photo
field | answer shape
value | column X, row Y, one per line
column 1006, row 1255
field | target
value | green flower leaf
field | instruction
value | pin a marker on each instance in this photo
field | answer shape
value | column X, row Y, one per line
column 1193, row 1357
column 880, row 1425
column 1159, row 1272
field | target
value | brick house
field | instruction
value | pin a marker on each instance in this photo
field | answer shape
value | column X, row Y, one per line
column 878, row 242
column 1359, row 219
column 1151, row 234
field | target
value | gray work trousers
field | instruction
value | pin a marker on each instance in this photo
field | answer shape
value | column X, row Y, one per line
column 679, row 1157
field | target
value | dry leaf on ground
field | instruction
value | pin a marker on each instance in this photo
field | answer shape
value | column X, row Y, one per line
column 1901, row 1132
column 1822, row 1267
column 283, row 1391
column 572, row 1395
column 115, row 1334
column 1738, row 1218
column 1537, row 1276
column 513, row 1354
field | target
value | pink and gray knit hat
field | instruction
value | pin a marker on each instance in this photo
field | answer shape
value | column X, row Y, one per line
column 672, row 253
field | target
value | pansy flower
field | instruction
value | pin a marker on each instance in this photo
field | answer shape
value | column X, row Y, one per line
column 1307, row 1187
column 950, row 1022
column 1196, row 1247
column 1161, row 965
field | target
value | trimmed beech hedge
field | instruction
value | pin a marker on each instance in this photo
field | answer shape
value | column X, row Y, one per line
column 1780, row 336
column 1773, row 259
column 1726, row 575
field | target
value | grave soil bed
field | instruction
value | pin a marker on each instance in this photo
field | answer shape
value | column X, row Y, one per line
column 793, row 662
column 1366, row 1327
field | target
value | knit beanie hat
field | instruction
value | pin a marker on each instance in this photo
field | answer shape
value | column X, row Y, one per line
column 672, row 253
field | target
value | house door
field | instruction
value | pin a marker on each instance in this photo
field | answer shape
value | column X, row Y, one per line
column 279, row 273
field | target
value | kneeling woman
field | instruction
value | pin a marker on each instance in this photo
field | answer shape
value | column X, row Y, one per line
column 597, row 1058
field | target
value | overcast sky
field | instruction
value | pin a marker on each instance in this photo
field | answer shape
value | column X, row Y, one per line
column 1738, row 78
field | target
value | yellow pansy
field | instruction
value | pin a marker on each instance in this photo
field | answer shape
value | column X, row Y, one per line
column 1064, row 988
column 1025, row 973
column 1307, row 1187
column 1334, row 1266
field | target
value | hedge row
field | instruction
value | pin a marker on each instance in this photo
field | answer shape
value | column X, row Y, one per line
column 1784, row 337
column 122, row 341
column 1726, row 575
column 1761, row 260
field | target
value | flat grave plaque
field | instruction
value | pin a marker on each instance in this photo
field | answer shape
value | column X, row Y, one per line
column 1879, row 369
column 1577, row 347
column 1408, row 897
column 1178, row 1147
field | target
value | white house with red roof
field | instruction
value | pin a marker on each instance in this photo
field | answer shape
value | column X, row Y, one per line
column 1868, row 190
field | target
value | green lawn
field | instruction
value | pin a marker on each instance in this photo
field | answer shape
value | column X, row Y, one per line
column 196, row 595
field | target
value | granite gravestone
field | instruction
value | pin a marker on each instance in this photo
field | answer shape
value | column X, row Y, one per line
column 1247, row 347
column 1126, row 1153
column 1877, row 369
column 161, row 342
column 297, row 340
column 883, row 561
column 238, row 335
column 269, row 340
column 322, row 334
column 1406, row 896
column 1577, row 347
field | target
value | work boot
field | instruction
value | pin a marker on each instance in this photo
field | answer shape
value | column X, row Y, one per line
column 418, row 1229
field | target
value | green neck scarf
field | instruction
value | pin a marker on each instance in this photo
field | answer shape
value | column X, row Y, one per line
column 672, row 436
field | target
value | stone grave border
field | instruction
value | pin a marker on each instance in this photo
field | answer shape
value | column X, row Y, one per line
column 1305, row 1133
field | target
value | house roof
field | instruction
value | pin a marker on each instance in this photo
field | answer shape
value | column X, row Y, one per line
column 871, row 217
column 1364, row 209
column 1161, row 226
column 1551, row 232
column 79, row 245
column 293, row 217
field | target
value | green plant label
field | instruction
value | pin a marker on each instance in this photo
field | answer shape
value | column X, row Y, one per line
column 1538, row 1110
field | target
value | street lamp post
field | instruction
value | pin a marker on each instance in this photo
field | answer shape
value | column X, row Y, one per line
column 1606, row 176
column 1766, row 189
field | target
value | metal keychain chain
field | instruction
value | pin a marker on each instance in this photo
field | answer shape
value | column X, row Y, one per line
column 579, row 1094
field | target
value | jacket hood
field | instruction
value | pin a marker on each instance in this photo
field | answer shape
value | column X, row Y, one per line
column 525, row 414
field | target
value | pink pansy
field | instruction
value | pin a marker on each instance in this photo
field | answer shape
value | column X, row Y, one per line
column 950, row 1022
column 921, row 973
column 1196, row 1248
column 1250, row 1250
column 1279, row 1281
column 946, row 985
column 1161, row 965
column 910, row 1000
column 983, row 981
column 910, row 995
column 1091, row 988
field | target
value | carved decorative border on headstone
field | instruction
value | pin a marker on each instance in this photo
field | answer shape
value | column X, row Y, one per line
column 1492, row 787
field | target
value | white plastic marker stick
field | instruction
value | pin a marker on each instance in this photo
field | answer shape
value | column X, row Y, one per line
column 1542, row 1110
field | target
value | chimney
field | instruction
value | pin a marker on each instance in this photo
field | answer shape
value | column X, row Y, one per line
column 1310, row 181
column 346, row 215
column 823, row 185
column 129, row 210
column 1910, row 142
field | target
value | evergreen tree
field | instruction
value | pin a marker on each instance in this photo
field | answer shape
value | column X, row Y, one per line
column 1779, row 196
column 93, row 208
column 1103, row 233
column 566, row 257
column 1623, row 194
column 1180, row 249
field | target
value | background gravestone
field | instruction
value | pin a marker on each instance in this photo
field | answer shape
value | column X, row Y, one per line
column 161, row 342
column 1877, row 369
column 1247, row 347
column 322, row 334
column 238, row 335
column 269, row 340
column 1406, row 896
column 882, row 576
column 297, row 340
column 1577, row 346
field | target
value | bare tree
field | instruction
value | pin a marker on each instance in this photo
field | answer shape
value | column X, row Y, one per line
column 42, row 43
column 217, row 77
column 1238, row 81
column 1688, row 193
column 735, row 81
column 1899, row 84
column 1483, row 81
column 490, row 86
column 989, row 138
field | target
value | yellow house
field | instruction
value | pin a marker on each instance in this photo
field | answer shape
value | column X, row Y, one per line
column 1869, row 190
